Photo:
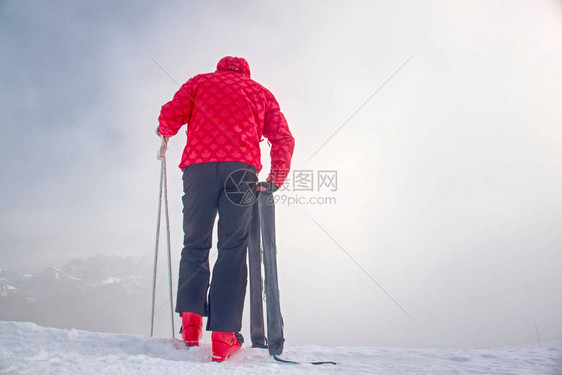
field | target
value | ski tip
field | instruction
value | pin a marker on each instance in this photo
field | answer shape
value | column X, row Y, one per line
column 299, row 363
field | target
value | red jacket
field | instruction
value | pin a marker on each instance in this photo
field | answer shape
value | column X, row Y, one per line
column 227, row 114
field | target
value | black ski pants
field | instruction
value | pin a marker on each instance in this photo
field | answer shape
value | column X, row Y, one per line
column 209, row 188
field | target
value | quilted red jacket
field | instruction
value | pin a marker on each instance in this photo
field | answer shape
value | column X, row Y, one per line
column 227, row 114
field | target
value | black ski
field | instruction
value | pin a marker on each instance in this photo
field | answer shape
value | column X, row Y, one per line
column 299, row 363
column 275, row 339
column 263, row 223
column 257, row 329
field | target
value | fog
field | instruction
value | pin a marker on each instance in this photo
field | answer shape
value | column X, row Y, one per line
column 447, row 203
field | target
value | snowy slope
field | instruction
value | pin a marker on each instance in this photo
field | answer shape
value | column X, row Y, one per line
column 26, row 348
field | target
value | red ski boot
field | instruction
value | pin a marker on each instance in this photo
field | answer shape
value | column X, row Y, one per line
column 191, row 328
column 225, row 344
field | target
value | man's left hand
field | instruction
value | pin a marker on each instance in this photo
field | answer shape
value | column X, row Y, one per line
column 268, row 186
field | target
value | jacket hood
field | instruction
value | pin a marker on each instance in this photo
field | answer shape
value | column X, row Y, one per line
column 238, row 64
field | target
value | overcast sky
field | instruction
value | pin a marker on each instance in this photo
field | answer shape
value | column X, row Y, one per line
column 449, row 178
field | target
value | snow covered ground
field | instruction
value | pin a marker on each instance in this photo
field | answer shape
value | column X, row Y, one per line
column 26, row 348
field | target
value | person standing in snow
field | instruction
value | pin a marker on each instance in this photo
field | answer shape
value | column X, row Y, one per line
column 227, row 114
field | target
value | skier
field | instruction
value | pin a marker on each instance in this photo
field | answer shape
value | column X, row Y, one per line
column 227, row 114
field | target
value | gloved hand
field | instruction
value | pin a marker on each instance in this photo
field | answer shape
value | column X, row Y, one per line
column 268, row 186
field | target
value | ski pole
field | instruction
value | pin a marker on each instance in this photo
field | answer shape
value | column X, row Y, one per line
column 156, row 249
column 169, row 246
column 161, row 155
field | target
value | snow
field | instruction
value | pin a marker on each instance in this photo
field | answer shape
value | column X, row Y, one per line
column 26, row 348
column 29, row 300
column 6, row 289
column 111, row 280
